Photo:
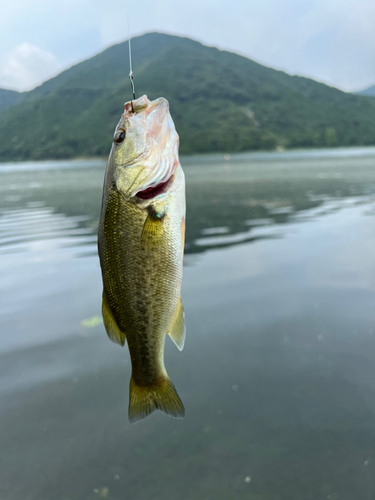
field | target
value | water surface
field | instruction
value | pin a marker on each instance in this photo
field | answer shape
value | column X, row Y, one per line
column 277, row 375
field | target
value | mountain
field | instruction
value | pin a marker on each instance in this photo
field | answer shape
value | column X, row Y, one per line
column 369, row 92
column 8, row 98
column 220, row 101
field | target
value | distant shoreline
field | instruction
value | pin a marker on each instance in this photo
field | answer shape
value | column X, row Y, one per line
column 341, row 151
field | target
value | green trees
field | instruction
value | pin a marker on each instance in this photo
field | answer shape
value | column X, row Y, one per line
column 330, row 137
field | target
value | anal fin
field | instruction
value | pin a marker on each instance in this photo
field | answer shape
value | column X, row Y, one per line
column 113, row 331
column 178, row 330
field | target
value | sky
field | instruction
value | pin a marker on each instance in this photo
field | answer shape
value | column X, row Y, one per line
column 332, row 41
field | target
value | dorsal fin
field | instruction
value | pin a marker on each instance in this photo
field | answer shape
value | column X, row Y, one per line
column 178, row 330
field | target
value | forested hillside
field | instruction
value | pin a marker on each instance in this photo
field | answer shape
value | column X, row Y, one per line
column 219, row 101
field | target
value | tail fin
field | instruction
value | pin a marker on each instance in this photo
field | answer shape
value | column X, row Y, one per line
column 145, row 400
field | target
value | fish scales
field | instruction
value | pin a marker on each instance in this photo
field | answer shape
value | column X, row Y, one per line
column 141, row 249
column 144, row 295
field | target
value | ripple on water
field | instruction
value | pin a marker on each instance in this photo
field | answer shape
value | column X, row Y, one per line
column 40, row 229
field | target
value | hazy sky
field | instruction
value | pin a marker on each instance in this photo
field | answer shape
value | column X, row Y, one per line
column 332, row 41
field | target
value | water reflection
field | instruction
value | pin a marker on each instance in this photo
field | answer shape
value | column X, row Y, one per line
column 228, row 201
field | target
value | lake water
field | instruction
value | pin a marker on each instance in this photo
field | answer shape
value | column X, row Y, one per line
column 278, row 372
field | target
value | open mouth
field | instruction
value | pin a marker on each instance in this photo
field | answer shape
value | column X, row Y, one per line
column 155, row 191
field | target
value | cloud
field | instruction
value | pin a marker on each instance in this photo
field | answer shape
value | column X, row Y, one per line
column 26, row 66
column 329, row 40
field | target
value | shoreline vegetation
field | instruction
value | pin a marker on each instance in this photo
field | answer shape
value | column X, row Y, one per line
column 220, row 102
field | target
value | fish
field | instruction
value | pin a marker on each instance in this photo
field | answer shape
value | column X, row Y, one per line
column 141, row 239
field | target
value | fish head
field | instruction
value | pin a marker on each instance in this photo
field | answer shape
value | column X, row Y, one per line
column 144, row 154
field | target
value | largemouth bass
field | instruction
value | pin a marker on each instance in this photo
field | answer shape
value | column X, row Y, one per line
column 141, row 243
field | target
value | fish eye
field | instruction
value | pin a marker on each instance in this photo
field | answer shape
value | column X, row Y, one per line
column 119, row 136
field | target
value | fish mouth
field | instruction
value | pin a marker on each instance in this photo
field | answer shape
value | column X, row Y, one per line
column 154, row 191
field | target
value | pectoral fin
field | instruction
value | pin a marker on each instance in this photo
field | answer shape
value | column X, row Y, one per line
column 153, row 230
column 113, row 331
column 178, row 330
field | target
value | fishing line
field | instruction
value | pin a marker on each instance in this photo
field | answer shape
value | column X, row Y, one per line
column 131, row 77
